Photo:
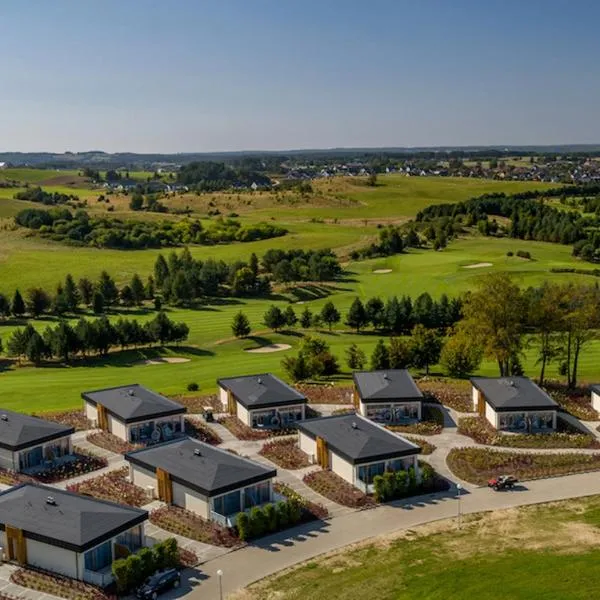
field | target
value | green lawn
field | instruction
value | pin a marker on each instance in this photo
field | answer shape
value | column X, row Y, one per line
column 548, row 552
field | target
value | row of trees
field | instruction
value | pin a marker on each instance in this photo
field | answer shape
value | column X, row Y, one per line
column 37, row 194
column 207, row 176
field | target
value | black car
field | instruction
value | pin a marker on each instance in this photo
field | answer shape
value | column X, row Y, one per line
column 158, row 583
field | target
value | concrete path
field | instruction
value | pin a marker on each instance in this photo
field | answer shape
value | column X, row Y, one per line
column 11, row 589
column 303, row 543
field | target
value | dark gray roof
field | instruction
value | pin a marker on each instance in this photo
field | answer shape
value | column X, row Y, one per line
column 211, row 472
column 393, row 384
column 357, row 439
column 131, row 403
column 19, row 431
column 75, row 521
column 513, row 393
column 261, row 391
column 595, row 387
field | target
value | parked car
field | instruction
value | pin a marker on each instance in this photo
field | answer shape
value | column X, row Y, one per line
column 158, row 583
column 502, row 482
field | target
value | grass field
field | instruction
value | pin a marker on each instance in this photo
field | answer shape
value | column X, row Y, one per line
column 29, row 261
column 548, row 551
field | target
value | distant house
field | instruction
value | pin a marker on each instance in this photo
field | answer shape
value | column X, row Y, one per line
column 356, row 449
column 214, row 483
column 134, row 413
column 514, row 404
column 262, row 400
column 595, row 389
column 66, row 533
column 31, row 444
column 389, row 396
column 3, row 165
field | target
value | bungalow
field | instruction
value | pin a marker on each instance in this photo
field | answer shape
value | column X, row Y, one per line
column 215, row 484
column 595, row 396
column 31, row 444
column 67, row 533
column 262, row 400
column 387, row 396
column 134, row 413
column 355, row 448
column 514, row 404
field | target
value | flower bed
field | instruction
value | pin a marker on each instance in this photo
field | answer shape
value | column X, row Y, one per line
column 343, row 411
column 70, row 418
column 200, row 431
column 480, row 430
column 285, row 454
column 455, row 393
column 187, row 558
column 313, row 510
column 56, row 585
column 83, row 463
column 242, row 432
column 188, row 524
column 426, row 447
column 12, row 477
column 338, row 490
column 576, row 402
column 196, row 404
column 325, row 393
column 432, row 423
column 111, row 442
column 114, row 487
column 478, row 465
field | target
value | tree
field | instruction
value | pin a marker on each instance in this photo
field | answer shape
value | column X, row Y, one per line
column 161, row 328
column 274, row 318
column 71, row 293
column 161, row 270
column 244, row 282
column 138, row 293
column 108, row 289
column 98, row 303
column 330, row 314
column 104, row 335
column 85, row 335
column 136, row 202
column 357, row 315
column 149, row 289
column 290, row 317
column 4, row 306
column 494, row 315
column 355, row 357
column 296, row 367
column 60, row 306
column 375, row 312
column 38, row 301
column 461, row 355
column 380, row 359
column 400, row 353
column 17, row 342
column 126, row 295
column 62, row 340
column 426, row 346
column 17, row 306
column 86, row 290
column 35, row 348
column 306, row 318
column 240, row 326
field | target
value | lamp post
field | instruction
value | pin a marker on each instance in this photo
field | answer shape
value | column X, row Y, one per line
column 220, row 576
column 459, row 489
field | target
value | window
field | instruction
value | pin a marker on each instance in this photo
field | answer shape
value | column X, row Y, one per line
column 229, row 504
column 99, row 557
column 366, row 473
column 257, row 495
column 264, row 418
column 132, row 539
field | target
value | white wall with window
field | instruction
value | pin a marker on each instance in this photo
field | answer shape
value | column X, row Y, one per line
column 275, row 417
column 391, row 412
column 43, row 454
column 156, row 430
column 226, row 507
column 523, row 421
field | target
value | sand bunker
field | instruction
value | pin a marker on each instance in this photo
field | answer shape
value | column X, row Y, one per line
column 269, row 348
column 478, row 266
column 162, row 361
column 380, row 271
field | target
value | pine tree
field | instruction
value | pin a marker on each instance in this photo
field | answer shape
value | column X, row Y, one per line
column 4, row 306
column 355, row 357
column 149, row 289
column 306, row 318
column 161, row 270
column 17, row 306
column 400, row 354
column 71, row 293
column 137, row 290
column 240, row 325
column 38, row 301
column 86, row 290
column 357, row 316
column 380, row 359
column 426, row 346
column 330, row 314
column 98, row 303
column 375, row 312
column 290, row 317
column 126, row 295
column 108, row 288
column 274, row 318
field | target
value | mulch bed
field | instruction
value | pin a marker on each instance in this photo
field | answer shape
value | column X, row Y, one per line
column 111, row 442
column 314, row 510
column 325, row 393
column 114, row 487
column 200, row 431
column 188, row 524
column 196, row 404
column 336, row 489
column 455, row 393
column 480, row 430
column 70, row 418
column 478, row 465
column 426, row 447
column 57, row 585
column 242, row 432
column 576, row 402
column 285, row 454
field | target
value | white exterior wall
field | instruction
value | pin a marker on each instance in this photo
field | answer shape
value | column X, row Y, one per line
column 307, row 445
column 223, row 398
column 142, row 477
column 53, row 558
column 491, row 415
column 341, row 467
column 194, row 501
column 117, row 427
column 91, row 412
column 243, row 415
column 596, row 401
column 178, row 494
column 475, row 395
column 7, row 459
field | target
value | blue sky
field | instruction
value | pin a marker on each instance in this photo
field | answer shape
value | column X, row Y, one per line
column 206, row 75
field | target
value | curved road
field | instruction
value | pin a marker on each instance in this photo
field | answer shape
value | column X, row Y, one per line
column 284, row 550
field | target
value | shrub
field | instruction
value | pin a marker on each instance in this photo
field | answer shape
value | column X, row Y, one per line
column 524, row 254
column 283, row 514
column 243, row 526
column 258, row 524
column 270, row 517
column 193, row 387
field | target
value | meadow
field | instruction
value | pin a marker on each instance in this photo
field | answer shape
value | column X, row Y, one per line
column 30, row 261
